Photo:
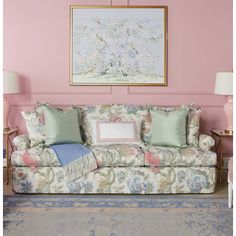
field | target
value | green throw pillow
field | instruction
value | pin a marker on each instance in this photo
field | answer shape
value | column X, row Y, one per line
column 169, row 128
column 61, row 126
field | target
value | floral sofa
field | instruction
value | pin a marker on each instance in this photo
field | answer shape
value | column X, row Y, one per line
column 122, row 169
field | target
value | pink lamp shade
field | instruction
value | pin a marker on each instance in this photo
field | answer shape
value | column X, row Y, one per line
column 224, row 86
column 10, row 86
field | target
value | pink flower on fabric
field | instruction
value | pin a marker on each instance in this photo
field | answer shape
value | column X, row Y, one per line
column 115, row 118
column 151, row 159
column 155, row 169
column 28, row 160
column 98, row 162
column 41, row 119
column 20, row 174
column 128, row 151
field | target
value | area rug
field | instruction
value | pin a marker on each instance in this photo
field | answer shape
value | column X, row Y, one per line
column 116, row 215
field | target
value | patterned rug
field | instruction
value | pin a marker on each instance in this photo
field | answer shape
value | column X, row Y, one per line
column 115, row 215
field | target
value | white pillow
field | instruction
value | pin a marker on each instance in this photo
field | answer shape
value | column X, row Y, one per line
column 115, row 132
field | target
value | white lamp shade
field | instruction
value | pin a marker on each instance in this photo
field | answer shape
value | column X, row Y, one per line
column 10, row 82
column 224, row 83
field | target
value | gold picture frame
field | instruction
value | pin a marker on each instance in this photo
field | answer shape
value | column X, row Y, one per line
column 113, row 45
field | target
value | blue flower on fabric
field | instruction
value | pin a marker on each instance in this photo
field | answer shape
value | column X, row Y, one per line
column 25, row 186
column 197, row 183
column 90, row 109
column 148, row 187
column 132, row 53
column 135, row 185
column 181, row 176
column 132, row 109
column 88, row 186
column 60, row 177
column 121, row 176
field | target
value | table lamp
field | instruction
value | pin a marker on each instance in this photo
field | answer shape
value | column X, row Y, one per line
column 10, row 86
column 224, row 86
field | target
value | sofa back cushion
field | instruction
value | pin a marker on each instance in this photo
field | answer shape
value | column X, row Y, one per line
column 35, row 127
column 111, row 112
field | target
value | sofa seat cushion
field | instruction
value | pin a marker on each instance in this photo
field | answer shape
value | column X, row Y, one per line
column 118, row 155
column 157, row 156
column 35, row 157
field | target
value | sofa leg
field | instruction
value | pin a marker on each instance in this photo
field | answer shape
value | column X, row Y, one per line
column 230, row 195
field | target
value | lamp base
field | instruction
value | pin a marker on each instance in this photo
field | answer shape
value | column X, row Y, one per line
column 229, row 131
column 228, row 109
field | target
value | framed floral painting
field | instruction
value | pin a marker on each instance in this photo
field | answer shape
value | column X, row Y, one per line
column 118, row 45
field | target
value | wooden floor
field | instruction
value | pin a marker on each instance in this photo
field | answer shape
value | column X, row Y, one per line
column 221, row 189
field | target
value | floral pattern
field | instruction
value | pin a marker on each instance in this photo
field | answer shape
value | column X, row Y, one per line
column 111, row 112
column 170, row 156
column 154, row 215
column 206, row 142
column 122, row 155
column 35, row 127
column 21, row 142
column 35, row 156
column 141, row 180
column 118, row 155
column 121, row 168
column 193, row 125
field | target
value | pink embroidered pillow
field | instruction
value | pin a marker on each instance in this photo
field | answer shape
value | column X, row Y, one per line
column 115, row 132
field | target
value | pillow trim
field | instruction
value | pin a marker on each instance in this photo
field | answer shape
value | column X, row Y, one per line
column 128, row 140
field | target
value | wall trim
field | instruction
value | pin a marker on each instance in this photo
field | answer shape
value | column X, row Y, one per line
column 150, row 92
column 129, row 92
column 62, row 105
column 109, row 92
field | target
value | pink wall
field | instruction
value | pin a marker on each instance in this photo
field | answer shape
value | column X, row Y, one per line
column 36, row 44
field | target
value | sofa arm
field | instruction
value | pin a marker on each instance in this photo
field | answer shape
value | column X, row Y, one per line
column 206, row 142
column 21, row 142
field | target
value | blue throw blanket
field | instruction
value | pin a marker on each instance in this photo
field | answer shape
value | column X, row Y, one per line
column 75, row 158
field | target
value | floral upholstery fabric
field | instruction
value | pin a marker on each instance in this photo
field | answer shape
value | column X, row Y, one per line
column 109, row 113
column 21, row 142
column 118, row 155
column 192, row 123
column 122, row 168
column 35, row 156
column 157, row 156
column 206, row 142
column 122, row 155
column 35, row 127
column 135, row 180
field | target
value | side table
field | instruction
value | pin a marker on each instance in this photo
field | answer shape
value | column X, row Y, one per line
column 8, row 134
column 219, row 136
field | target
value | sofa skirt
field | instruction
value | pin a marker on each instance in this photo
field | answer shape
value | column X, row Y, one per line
column 116, row 180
